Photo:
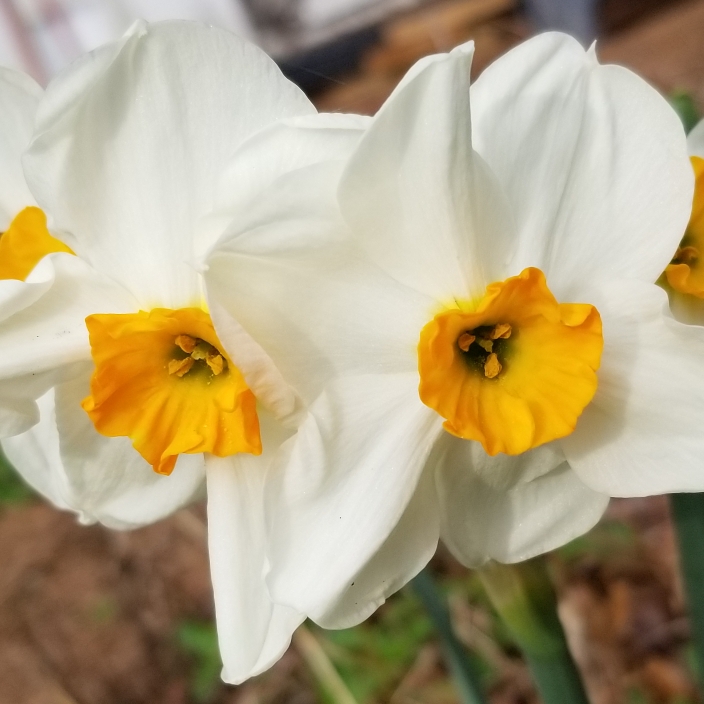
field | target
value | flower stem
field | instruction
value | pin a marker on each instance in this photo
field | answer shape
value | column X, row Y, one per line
column 525, row 599
column 688, row 517
column 321, row 667
column 459, row 664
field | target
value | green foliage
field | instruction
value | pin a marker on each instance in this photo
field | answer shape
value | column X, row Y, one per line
column 104, row 610
column 200, row 641
column 607, row 540
column 636, row 696
column 373, row 657
column 12, row 489
column 686, row 108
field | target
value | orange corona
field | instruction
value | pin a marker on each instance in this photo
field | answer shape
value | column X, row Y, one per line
column 513, row 370
column 163, row 379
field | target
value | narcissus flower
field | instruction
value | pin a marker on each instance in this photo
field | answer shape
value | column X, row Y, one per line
column 487, row 302
column 24, row 238
column 141, row 402
column 683, row 277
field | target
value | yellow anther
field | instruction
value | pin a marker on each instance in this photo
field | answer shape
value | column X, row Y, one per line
column 487, row 345
column 186, row 343
column 502, row 331
column 215, row 362
column 179, row 367
column 492, row 366
column 465, row 340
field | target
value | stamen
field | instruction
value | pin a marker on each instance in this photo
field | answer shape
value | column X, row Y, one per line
column 465, row 340
column 198, row 351
column 186, row 343
column 215, row 362
column 487, row 345
column 502, row 331
column 179, row 367
column 492, row 366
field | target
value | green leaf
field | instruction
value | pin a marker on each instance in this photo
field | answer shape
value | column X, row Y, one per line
column 200, row 641
column 686, row 108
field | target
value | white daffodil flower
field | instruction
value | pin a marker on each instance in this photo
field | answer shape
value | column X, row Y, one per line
column 501, row 361
column 139, row 399
column 25, row 238
column 683, row 278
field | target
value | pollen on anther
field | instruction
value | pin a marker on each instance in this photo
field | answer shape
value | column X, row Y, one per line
column 492, row 366
column 186, row 343
column 180, row 367
column 465, row 340
column 215, row 362
column 502, row 331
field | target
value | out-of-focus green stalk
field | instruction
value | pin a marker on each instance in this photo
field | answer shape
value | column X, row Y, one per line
column 461, row 667
column 688, row 517
column 686, row 108
column 525, row 599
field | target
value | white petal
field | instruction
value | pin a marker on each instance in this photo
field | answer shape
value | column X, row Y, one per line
column 341, row 485
column 642, row 433
column 35, row 455
column 253, row 632
column 43, row 336
column 275, row 151
column 415, row 193
column 686, row 308
column 109, row 480
column 19, row 96
column 311, row 301
column 51, row 331
column 131, row 141
column 501, row 472
column 695, row 140
column 257, row 367
column 19, row 394
column 537, row 514
column 593, row 161
column 402, row 556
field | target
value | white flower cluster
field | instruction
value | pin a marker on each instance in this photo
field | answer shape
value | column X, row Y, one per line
column 256, row 292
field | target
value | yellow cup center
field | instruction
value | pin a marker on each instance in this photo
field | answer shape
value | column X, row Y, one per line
column 685, row 273
column 163, row 380
column 513, row 370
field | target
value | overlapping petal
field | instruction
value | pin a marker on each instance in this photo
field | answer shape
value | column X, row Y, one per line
column 402, row 556
column 36, row 456
column 418, row 198
column 592, row 160
column 641, row 434
column 132, row 138
column 343, row 486
column 19, row 96
column 43, row 334
column 299, row 288
column 510, row 508
column 253, row 631
column 109, row 481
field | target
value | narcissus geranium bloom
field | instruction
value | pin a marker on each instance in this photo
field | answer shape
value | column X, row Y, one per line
column 487, row 300
column 683, row 277
column 139, row 398
column 24, row 239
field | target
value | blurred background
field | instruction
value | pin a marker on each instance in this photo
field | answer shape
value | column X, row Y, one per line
column 89, row 616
